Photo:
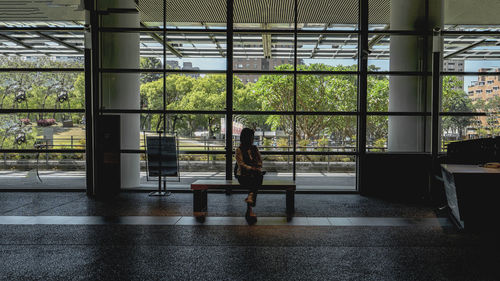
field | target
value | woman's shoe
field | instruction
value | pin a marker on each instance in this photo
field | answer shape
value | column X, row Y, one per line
column 250, row 216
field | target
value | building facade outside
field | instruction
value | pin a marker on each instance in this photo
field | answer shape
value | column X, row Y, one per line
column 481, row 92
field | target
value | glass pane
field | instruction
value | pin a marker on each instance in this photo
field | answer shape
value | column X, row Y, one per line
column 327, row 52
column 196, row 133
column 376, row 133
column 256, row 92
column 476, row 52
column 469, row 93
column 475, row 27
column 47, row 49
column 192, row 167
column 42, row 131
column 336, row 92
column 263, row 51
column 194, row 51
column 187, row 92
column 398, row 134
column 406, row 54
column 408, row 94
column 326, row 172
column 277, row 167
column 42, row 171
column 272, row 132
column 457, row 128
column 324, row 133
column 42, row 90
column 205, row 132
column 151, row 50
column 379, row 56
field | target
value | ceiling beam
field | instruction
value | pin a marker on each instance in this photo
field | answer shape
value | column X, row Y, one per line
column 320, row 39
column 59, row 41
column 458, row 52
column 266, row 42
column 214, row 40
column 166, row 44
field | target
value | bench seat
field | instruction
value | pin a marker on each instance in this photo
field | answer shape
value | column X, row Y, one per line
column 201, row 187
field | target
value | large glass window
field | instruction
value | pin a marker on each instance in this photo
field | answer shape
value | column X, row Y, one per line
column 296, row 74
column 42, row 106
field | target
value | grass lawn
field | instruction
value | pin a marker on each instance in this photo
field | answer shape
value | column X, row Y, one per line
column 62, row 136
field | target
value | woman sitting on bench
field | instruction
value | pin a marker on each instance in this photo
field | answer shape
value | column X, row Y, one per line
column 249, row 170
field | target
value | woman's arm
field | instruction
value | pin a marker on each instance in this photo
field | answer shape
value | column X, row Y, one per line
column 239, row 160
column 258, row 158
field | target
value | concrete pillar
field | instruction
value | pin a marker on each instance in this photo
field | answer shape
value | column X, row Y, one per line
column 122, row 90
column 406, row 93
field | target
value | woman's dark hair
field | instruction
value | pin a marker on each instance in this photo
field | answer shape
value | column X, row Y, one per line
column 246, row 137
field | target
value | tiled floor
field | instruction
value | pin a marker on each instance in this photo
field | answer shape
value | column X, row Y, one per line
column 67, row 236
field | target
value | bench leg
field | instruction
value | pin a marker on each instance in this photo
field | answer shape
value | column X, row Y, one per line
column 290, row 204
column 199, row 203
column 229, row 191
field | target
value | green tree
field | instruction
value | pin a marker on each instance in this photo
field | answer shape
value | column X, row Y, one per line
column 176, row 87
column 208, row 93
column 150, row 63
column 314, row 93
column 455, row 99
column 378, row 101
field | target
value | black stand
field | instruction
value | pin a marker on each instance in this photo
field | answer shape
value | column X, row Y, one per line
column 161, row 192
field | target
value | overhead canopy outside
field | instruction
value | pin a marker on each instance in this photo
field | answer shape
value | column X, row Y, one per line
column 259, row 14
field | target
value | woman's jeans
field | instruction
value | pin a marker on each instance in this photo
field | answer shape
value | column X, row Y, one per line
column 253, row 183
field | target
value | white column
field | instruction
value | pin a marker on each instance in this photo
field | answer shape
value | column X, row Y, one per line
column 122, row 90
column 406, row 133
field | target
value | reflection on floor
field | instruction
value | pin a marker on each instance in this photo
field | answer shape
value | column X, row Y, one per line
column 67, row 236
column 76, row 180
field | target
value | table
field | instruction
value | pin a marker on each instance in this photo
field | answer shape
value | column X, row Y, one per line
column 472, row 193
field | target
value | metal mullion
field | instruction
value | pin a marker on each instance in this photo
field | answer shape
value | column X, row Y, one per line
column 425, row 67
column 399, row 113
column 142, row 151
column 42, row 69
column 466, row 113
column 95, row 94
column 363, row 47
column 152, row 70
column 229, row 88
column 448, row 73
column 400, row 32
column 303, row 72
column 295, row 36
column 289, row 72
column 43, row 29
column 290, row 31
column 157, row 29
column 400, row 73
column 164, row 115
column 160, row 111
column 3, row 150
column 399, row 153
column 320, row 153
column 35, row 110
column 341, row 113
column 436, row 89
column 457, row 32
column 264, row 152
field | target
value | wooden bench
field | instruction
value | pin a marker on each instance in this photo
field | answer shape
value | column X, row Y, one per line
column 201, row 187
